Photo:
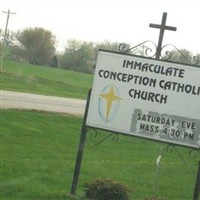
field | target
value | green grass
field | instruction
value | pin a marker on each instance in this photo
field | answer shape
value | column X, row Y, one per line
column 38, row 152
column 44, row 80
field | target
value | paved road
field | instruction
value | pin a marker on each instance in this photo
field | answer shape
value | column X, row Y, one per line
column 29, row 101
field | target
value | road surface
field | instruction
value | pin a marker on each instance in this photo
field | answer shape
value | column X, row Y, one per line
column 27, row 101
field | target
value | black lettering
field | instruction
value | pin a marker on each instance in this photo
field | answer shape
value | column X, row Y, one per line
column 145, row 67
column 106, row 74
column 139, row 116
column 181, row 73
column 163, row 99
column 137, row 64
column 151, row 96
column 129, row 63
column 130, row 77
column 124, row 63
column 168, row 71
column 142, row 126
column 100, row 73
column 188, row 88
column 113, row 75
column 156, row 129
column 191, row 136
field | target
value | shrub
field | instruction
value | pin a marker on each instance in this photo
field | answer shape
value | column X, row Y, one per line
column 104, row 189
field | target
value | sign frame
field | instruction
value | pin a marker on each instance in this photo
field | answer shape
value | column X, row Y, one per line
column 178, row 73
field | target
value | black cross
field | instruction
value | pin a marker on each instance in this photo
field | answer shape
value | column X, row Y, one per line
column 162, row 28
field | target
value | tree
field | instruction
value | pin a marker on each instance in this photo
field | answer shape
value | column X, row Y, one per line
column 81, row 56
column 9, row 41
column 183, row 56
column 106, row 45
column 197, row 58
column 78, row 56
column 38, row 45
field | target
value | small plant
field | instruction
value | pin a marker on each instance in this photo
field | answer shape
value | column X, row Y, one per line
column 106, row 189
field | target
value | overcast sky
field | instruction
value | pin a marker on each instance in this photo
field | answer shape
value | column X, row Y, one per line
column 114, row 20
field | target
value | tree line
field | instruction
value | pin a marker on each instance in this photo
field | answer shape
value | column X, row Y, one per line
column 38, row 46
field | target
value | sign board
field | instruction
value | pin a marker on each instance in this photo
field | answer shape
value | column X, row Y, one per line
column 147, row 98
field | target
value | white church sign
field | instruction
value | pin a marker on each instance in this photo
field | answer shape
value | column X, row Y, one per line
column 146, row 98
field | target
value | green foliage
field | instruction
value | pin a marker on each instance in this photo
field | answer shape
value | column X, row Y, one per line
column 102, row 189
column 78, row 56
column 111, row 46
column 81, row 56
column 183, row 56
column 17, row 54
column 38, row 45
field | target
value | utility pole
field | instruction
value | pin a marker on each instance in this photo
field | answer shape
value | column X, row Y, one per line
column 5, row 35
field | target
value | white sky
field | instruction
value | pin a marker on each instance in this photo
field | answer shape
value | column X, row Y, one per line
column 114, row 20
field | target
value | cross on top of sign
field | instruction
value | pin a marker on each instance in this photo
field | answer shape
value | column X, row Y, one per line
column 162, row 28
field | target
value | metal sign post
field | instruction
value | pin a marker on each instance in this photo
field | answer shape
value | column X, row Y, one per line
column 80, row 149
column 197, row 185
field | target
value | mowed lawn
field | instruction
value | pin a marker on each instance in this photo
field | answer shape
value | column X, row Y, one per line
column 23, row 77
column 38, row 152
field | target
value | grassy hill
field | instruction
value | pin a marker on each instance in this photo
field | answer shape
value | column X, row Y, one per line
column 38, row 149
column 44, row 80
